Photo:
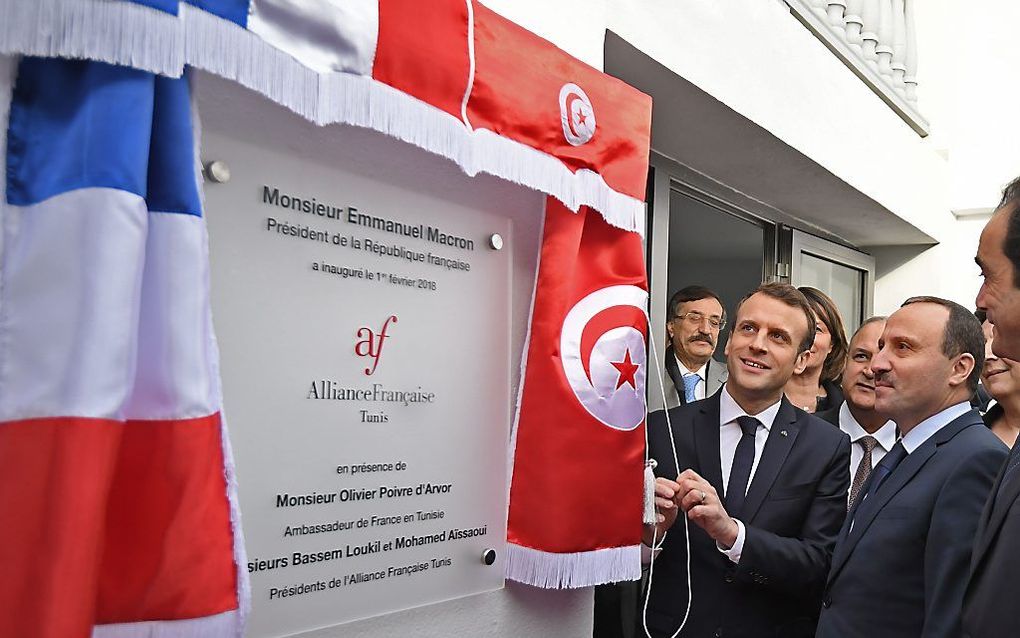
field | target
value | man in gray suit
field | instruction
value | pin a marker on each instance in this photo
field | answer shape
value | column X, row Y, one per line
column 695, row 318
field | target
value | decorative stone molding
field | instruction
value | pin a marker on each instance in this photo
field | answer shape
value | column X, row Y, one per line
column 876, row 39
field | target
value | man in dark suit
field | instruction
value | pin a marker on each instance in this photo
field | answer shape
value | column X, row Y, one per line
column 871, row 434
column 900, row 564
column 989, row 605
column 762, row 483
column 696, row 319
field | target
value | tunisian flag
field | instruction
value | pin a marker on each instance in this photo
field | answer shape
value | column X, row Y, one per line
column 577, row 488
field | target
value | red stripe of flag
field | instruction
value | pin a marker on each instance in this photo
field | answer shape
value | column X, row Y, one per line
column 54, row 479
column 422, row 50
column 136, row 511
column 169, row 545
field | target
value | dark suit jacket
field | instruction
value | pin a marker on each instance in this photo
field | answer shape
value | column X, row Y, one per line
column 833, row 398
column 902, row 569
column 831, row 415
column 989, row 606
column 794, row 508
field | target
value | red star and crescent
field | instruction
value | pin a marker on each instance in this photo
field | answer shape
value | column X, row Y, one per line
column 627, row 370
column 569, row 104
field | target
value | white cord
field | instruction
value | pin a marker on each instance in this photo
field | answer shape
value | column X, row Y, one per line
column 655, row 530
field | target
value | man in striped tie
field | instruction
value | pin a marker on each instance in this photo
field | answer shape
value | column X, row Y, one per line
column 901, row 560
column 871, row 434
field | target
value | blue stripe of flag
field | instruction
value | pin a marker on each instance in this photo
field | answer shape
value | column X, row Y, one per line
column 82, row 124
column 169, row 6
column 234, row 10
column 172, row 184
column 77, row 124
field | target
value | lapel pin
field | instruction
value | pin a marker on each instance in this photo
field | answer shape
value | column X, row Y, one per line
column 782, row 432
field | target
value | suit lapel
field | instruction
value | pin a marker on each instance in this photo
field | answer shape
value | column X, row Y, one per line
column 996, row 510
column 777, row 447
column 706, row 442
column 715, row 376
column 674, row 374
column 864, row 513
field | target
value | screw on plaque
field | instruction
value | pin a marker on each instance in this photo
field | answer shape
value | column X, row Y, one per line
column 217, row 171
column 496, row 241
column 489, row 556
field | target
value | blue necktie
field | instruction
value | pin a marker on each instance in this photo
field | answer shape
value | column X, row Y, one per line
column 690, row 383
column 886, row 467
column 740, row 471
column 878, row 475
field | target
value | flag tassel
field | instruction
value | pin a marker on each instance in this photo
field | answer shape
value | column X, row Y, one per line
column 649, row 514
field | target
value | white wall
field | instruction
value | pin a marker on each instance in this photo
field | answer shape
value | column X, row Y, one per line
column 759, row 60
column 945, row 270
column 576, row 26
column 969, row 61
column 984, row 136
column 518, row 611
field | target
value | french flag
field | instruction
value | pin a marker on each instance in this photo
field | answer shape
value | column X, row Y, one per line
column 117, row 499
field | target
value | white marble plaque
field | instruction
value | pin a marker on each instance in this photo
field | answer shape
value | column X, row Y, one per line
column 364, row 331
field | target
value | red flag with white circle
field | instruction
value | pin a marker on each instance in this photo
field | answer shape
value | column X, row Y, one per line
column 577, row 488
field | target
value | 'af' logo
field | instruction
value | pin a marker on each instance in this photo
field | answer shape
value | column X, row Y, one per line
column 370, row 344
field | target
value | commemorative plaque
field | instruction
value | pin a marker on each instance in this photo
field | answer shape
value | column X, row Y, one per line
column 363, row 330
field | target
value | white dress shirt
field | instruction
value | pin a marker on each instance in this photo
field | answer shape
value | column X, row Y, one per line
column 699, row 390
column 925, row 429
column 729, row 436
column 885, row 435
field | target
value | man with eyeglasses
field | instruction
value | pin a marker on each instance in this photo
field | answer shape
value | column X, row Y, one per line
column 696, row 318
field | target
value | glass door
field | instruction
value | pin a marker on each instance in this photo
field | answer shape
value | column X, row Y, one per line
column 698, row 237
column 845, row 274
column 714, row 247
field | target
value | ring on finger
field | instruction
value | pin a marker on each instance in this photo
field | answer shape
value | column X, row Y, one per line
column 703, row 497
